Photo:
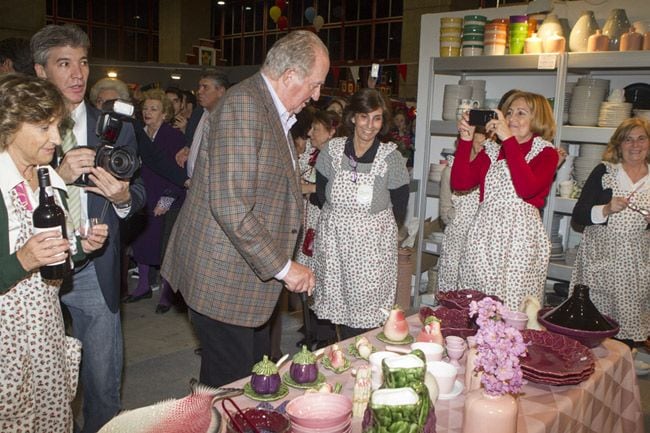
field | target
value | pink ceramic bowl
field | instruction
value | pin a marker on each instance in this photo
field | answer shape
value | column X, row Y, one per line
column 263, row 419
column 590, row 339
column 339, row 428
column 516, row 319
column 319, row 410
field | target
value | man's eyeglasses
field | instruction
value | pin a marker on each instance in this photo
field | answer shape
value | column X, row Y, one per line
column 353, row 164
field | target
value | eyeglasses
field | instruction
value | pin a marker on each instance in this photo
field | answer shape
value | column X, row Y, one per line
column 353, row 164
column 635, row 208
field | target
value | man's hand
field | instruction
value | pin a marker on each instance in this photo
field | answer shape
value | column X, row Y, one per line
column 300, row 279
column 106, row 185
column 95, row 239
column 182, row 155
column 76, row 162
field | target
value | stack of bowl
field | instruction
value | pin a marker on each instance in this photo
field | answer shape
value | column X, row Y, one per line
column 586, row 98
column 478, row 90
column 590, row 157
column 494, row 38
column 320, row 413
column 473, row 31
column 435, row 171
column 452, row 97
column 517, row 33
column 450, row 31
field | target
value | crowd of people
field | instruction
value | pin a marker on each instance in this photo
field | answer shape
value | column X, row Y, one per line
column 247, row 190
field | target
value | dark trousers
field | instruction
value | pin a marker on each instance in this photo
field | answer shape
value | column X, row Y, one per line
column 228, row 352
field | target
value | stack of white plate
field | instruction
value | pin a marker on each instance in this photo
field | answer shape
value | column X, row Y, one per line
column 613, row 113
column 565, row 170
column 590, row 156
column 594, row 82
column 436, row 237
column 557, row 251
column 642, row 114
column 435, row 172
column 585, row 105
column 478, row 90
column 568, row 89
column 452, row 96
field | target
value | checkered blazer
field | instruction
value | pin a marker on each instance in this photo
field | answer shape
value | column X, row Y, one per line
column 239, row 224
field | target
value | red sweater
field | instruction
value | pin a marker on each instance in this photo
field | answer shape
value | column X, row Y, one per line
column 532, row 181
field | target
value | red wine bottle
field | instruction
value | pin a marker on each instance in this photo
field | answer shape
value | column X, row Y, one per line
column 49, row 216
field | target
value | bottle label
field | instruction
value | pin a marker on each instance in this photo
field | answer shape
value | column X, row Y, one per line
column 38, row 230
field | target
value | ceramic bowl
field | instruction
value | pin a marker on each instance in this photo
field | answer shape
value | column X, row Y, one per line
column 517, row 319
column 319, row 411
column 588, row 338
column 262, row 419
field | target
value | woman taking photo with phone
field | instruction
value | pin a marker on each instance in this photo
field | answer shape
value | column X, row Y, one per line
column 507, row 249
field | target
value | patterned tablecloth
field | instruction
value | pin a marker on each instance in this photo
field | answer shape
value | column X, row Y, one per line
column 608, row 402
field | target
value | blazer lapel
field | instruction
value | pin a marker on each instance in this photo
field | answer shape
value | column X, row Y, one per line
column 282, row 142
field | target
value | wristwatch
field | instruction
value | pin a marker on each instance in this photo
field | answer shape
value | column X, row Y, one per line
column 124, row 205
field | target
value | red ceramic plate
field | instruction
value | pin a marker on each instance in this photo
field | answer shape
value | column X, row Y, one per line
column 546, row 380
column 460, row 299
column 555, row 356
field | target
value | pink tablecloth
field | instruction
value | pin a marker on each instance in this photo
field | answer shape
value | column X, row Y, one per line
column 608, row 402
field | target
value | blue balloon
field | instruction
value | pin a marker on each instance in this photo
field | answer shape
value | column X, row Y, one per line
column 310, row 14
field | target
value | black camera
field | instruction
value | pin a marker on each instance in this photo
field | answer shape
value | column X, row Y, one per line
column 481, row 117
column 120, row 161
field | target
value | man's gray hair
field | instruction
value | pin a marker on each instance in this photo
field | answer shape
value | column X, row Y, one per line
column 297, row 50
column 220, row 79
column 53, row 36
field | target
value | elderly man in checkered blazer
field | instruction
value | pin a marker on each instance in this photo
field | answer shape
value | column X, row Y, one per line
column 231, row 247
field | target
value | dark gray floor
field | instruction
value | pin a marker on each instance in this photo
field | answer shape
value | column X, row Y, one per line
column 160, row 359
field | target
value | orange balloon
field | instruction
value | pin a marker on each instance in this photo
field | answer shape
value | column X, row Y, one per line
column 275, row 13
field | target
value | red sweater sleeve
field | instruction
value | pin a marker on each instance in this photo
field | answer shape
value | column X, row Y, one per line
column 532, row 181
column 466, row 175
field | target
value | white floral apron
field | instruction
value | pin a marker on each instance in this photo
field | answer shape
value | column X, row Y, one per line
column 465, row 206
column 507, row 250
column 356, row 251
column 39, row 365
column 613, row 260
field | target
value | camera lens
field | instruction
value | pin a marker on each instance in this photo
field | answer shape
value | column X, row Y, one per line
column 122, row 163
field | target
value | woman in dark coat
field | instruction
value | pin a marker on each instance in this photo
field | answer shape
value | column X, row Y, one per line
column 164, row 198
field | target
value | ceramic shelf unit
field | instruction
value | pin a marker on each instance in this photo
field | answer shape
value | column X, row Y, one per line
column 504, row 73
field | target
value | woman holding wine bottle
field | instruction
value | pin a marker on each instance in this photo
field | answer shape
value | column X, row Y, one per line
column 40, row 364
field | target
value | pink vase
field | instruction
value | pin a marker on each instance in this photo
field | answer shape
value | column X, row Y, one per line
column 483, row 410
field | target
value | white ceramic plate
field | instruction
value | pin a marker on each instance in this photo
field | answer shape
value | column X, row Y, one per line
column 455, row 392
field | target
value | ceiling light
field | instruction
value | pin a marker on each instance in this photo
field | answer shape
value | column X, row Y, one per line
column 112, row 74
column 175, row 76
column 221, row 2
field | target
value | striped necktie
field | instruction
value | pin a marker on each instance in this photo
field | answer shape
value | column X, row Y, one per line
column 74, row 198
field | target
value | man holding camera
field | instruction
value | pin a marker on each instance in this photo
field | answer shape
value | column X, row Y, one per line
column 61, row 56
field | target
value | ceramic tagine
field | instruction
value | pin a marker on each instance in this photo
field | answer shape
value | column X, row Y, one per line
column 578, row 312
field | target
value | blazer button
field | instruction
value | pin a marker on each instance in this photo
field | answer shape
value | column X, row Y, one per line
column 294, row 231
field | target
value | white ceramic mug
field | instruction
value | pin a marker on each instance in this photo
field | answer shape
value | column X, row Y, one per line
column 432, row 351
column 566, row 188
column 445, row 375
column 375, row 360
